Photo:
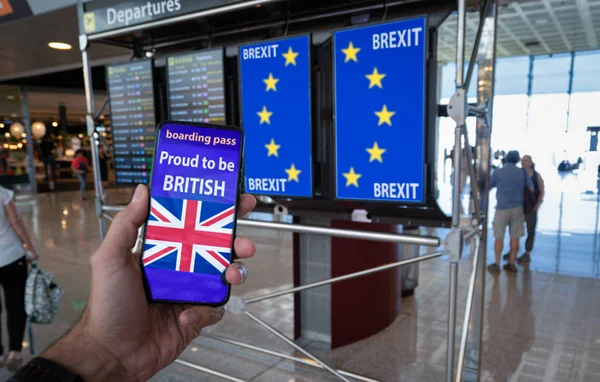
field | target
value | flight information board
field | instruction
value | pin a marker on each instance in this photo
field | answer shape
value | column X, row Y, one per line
column 196, row 88
column 276, row 116
column 131, row 97
column 379, row 75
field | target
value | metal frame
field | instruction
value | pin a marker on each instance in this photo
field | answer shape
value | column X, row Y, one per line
column 458, row 109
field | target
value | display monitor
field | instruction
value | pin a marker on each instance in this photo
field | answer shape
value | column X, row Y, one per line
column 131, row 97
column 380, row 77
column 196, row 88
column 276, row 115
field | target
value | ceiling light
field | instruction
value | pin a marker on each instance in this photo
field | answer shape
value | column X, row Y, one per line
column 10, row 97
column 59, row 45
column 1, row 125
column 54, row 124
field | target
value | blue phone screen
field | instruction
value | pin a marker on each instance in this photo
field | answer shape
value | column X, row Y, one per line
column 190, row 228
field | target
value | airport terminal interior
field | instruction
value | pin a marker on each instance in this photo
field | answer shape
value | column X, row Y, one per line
column 379, row 138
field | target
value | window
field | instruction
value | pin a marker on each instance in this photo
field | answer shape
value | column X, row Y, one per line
column 586, row 72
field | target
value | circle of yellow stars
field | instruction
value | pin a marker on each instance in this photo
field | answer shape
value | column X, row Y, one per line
column 384, row 115
column 265, row 115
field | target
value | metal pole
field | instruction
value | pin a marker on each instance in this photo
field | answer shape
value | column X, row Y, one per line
column 295, row 346
column 29, row 137
column 472, row 234
column 456, row 189
column 209, row 371
column 460, row 43
column 91, row 126
column 429, row 241
column 485, row 93
column 451, row 321
column 286, row 356
column 473, row 176
column 347, row 233
column 346, row 277
column 471, row 68
column 109, row 208
column 465, row 328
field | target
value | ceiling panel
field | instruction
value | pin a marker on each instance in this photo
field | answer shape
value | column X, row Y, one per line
column 555, row 25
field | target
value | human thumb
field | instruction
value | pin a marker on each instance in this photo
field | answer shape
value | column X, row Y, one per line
column 123, row 231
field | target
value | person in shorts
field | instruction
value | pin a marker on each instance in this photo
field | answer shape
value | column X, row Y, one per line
column 510, row 182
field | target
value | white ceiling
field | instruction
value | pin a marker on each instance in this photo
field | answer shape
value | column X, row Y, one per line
column 557, row 25
column 24, row 47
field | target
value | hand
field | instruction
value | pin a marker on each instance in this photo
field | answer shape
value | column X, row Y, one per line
column 33, row 256
column 121, row 336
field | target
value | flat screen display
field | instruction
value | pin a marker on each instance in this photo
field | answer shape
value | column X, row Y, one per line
column 196, row 87
column 131, row 97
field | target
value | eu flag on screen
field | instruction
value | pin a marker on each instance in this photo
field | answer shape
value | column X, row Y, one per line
column 380, row 111
column 275, row 92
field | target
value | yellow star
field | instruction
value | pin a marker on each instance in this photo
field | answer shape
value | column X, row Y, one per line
column 376, row 152
column 290, row 57
column 271, row 82
column 293, row 173
column 272, row 147
column 350, row 53
column 351, row 177
column 385, row 116
column 375, row 78
column 265, row 116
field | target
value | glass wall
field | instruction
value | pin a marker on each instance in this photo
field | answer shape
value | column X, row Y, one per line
column 543, row 106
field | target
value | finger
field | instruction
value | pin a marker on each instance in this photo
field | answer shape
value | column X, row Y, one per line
column 201, row 316
column 123, row 232
column 243, row 247
column 236, row 273
column 246, row 204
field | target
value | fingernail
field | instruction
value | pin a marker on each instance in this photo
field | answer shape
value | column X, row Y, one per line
column 138, row 192
column 191, row 318
column 241, row 267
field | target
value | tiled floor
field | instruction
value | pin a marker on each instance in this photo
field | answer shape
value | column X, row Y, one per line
column 541, row 324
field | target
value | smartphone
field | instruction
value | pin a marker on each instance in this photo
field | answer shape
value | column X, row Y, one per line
column 194, row 193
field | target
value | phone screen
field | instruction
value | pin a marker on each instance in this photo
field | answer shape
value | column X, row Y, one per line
column 191, row 224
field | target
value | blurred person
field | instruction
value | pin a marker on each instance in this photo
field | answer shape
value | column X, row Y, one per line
column 120, row 336
column 47, row 149
column 3, row 158
column 539, row 190
column 510, row 182
column 79, row 165
column 14, row 245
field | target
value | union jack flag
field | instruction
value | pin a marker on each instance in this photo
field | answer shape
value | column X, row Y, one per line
column 189, row 236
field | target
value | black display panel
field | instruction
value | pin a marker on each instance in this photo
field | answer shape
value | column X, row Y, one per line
column 196, row 87
column 131, row 96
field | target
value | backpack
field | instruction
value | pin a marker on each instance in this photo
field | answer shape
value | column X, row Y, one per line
column 42, row 296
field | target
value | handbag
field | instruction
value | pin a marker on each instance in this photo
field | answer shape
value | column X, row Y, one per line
column 42, row 299
column 528, row 196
